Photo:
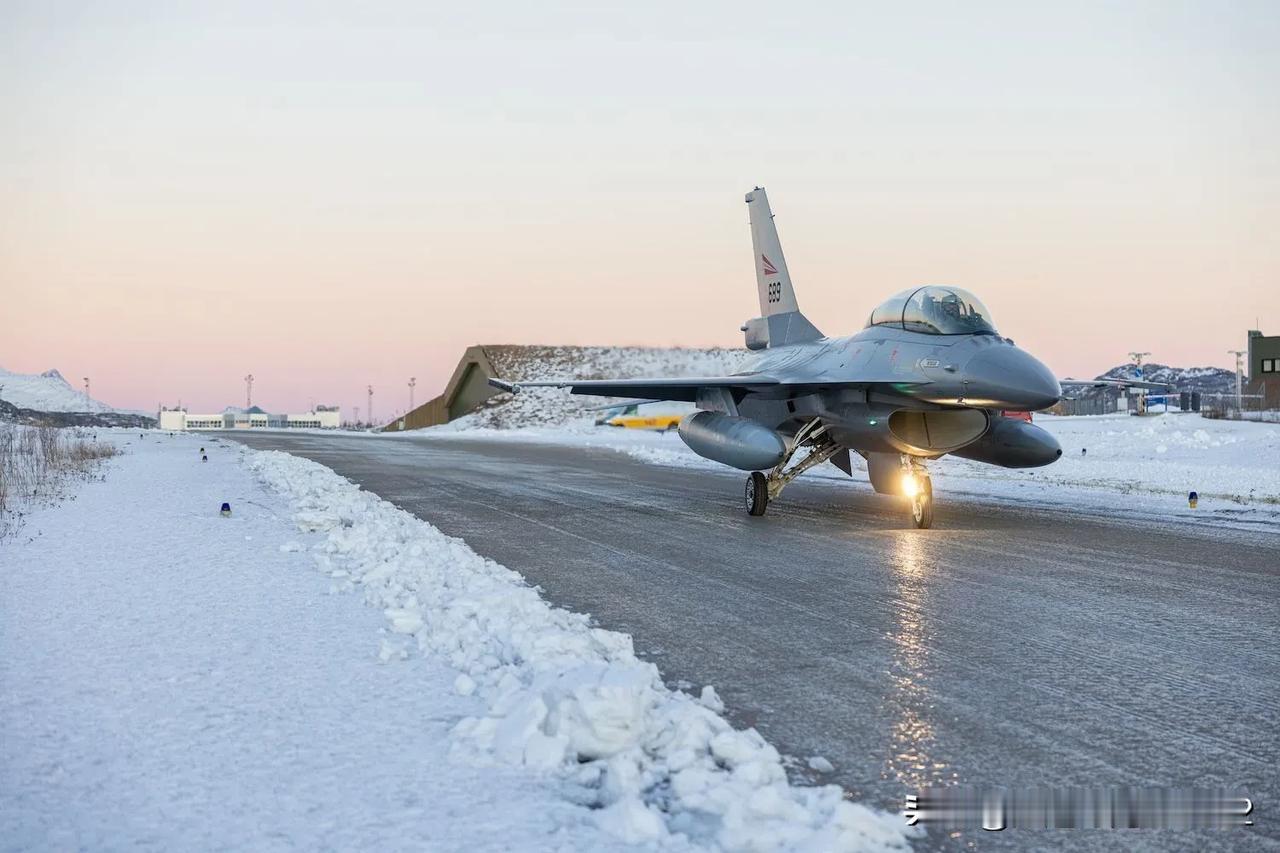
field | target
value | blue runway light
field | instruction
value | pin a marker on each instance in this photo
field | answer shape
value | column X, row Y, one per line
column 226, row 510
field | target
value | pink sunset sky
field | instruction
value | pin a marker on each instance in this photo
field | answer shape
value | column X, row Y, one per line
column 331, row 196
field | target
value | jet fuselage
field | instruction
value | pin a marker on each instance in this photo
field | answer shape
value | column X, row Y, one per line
column 889, row 390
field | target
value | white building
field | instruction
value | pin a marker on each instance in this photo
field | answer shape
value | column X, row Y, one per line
column 324, row 417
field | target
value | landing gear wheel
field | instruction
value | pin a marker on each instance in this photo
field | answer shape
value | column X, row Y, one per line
column 757, row 494
column 922, row 505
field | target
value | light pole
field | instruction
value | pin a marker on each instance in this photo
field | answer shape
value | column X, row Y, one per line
column 413, row 380
column 1239, row 354
column 248, row 391
column 1137, row 369
column 88, row 400
column 370, row 409
column 1137, row 357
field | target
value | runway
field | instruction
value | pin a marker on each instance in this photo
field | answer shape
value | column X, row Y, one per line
column 1010, row 645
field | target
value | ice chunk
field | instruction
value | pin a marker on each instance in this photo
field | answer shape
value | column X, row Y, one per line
column 711, row 699
column 632, row 821
column 820, row 764
column 404, row 621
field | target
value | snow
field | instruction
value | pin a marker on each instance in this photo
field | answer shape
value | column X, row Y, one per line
column 46, row 392
column 1165, row 454
column 173, row 678
column 1212, row 380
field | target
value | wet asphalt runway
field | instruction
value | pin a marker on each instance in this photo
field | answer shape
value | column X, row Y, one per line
column 1008, row 645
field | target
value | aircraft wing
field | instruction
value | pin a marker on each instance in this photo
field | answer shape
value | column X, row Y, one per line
column 1114, row 383
column 685, row 389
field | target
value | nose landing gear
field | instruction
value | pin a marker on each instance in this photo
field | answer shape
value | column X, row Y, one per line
column 917, row 486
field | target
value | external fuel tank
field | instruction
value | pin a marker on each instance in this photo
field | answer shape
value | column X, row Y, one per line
column 733, row 441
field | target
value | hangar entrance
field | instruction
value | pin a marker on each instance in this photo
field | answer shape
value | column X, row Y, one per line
column 473, row 389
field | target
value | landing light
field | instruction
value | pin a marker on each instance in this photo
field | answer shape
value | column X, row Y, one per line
column 910, row 486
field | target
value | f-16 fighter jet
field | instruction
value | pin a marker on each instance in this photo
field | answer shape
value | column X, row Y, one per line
column 928, row 376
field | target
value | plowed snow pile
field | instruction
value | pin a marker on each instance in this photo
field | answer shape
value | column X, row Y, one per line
column 564, row 698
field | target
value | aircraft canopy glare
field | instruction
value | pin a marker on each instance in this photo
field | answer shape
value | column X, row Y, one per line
column 935, row 311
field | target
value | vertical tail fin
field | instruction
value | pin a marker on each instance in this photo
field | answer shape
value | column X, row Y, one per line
column 777, row 297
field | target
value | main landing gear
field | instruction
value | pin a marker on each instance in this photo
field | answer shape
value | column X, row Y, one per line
column 762, row 489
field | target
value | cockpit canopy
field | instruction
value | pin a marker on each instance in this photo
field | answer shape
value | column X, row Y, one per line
column 935, row 311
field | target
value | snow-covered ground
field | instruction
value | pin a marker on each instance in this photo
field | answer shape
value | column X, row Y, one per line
column 175, row 679
column 1144, row 466
column 47, row 392
column 1165, row 454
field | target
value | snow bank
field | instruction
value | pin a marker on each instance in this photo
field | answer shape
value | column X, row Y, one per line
column 1166, row 454
column 564, row 698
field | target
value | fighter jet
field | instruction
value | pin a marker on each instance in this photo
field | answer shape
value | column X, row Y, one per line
column 927, row 376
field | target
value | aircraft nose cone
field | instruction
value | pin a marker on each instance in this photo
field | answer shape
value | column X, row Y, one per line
column 1005, row 377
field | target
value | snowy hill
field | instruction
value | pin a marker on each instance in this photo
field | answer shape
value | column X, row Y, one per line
column 1206, row 380
column 46, row 392
column 554, row 406
column 48, row 398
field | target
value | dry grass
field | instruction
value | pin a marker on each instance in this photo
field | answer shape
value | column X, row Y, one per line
column 37, row 463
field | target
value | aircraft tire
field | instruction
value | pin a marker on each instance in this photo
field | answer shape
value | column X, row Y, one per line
column 757, row 494
column 922, row 506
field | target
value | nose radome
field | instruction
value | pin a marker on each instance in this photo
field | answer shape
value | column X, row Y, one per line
column 1005, row 377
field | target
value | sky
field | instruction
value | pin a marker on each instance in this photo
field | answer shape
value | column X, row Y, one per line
column 330, row 196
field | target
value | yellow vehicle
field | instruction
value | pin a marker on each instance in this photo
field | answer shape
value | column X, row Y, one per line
column 659, row 415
